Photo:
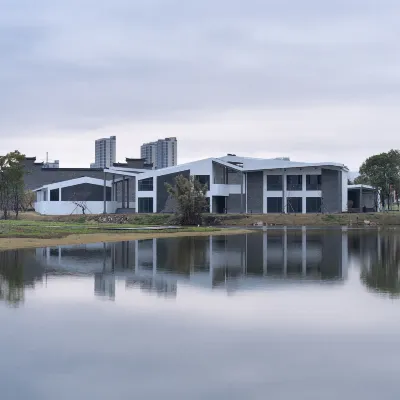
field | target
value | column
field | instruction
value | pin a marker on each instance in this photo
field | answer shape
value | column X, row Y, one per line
column 241, row 194
column 127, row 193
column 113, row 191
column 284, row 188
column 361, row 199
column 59, row 194
column 123, row 192
column 105, row 194
column 304, row 193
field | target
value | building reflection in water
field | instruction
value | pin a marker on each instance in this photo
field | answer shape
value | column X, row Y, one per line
column 234, row 263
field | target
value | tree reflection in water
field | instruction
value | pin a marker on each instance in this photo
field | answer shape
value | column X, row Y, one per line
column 11, row 277
column 381, row 274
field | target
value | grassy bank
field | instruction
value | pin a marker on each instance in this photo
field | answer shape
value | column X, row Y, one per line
column 385, row 218
column 29, row 234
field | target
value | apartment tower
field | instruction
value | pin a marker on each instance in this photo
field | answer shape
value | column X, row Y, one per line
column 162, row 154
column 105, row 152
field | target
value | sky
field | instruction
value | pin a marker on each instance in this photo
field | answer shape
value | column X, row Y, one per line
column 311, row 80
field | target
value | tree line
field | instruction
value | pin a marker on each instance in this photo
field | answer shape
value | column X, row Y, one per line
column 13, row 198
column 382, row 171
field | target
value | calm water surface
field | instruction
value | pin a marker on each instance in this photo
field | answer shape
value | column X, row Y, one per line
column 289, row 314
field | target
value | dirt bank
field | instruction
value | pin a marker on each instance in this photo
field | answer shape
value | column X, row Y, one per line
column 25, row 243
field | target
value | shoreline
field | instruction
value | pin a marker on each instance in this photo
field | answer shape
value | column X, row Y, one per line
column 75, row 239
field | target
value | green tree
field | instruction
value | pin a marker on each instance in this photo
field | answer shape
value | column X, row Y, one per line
column 191, row 200
column 383, row 172
column 11, row 183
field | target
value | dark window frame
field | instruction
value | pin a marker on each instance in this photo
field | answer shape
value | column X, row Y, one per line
column 55, row 195
column 146, row 185
column 145, row 205
column 294, row 182
column 274, row 186
column 294, row 205
column 274, row 208
column 313, row 182
column 204, row 180
column 313, row 205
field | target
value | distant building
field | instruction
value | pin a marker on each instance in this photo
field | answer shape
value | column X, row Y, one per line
column 162, row 154
column 37, row 174
column 105, row 152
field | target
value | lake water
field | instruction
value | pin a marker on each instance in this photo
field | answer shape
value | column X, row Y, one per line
column 282, row 314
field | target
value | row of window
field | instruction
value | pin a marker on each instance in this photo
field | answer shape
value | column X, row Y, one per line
column 293, row 205
column 274, row 182
column 293, row 182
column 147, row 185
column 274, row 205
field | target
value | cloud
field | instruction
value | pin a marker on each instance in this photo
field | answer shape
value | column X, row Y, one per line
column 312, row 72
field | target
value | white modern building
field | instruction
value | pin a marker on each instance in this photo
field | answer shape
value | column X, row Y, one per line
column 105, row 152
column 235, row 185
column 162, row 154
column 242, row 185
column 75, row 196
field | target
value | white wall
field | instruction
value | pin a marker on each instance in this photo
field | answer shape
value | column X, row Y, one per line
column 68, row 208
column 345, row 193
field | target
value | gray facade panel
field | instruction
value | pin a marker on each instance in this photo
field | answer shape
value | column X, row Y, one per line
column 84, row 192
column 132, row 190
column 37, row 176
column 255, row 192
column 331, row 188
column 164, row 202
column 234, row 205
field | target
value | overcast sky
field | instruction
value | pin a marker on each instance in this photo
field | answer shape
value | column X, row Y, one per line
column 314, row 80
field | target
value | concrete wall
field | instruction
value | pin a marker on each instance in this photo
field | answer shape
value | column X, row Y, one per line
column 234, row 204
column 331, row 191
column 255, row 192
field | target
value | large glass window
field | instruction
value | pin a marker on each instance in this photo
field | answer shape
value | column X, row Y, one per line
column 274, row 182
column 313, row 182
column 274, row 205
column 145, row 185
column 294, row 182
column 313, row 204
column 55, row 195
column 294, row 205
column 145, row 205
column 204, row 180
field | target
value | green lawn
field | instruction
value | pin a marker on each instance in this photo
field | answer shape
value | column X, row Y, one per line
column 50, row 229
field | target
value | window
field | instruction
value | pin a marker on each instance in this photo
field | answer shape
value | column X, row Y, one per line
column 313, row 182
column 274, row 182
column 204, row 180
column 145, row 185
column 294, row 182
column 145, row 205
column 294, row 205
column 313, row 204
column 55, row 195
column 274, row 205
